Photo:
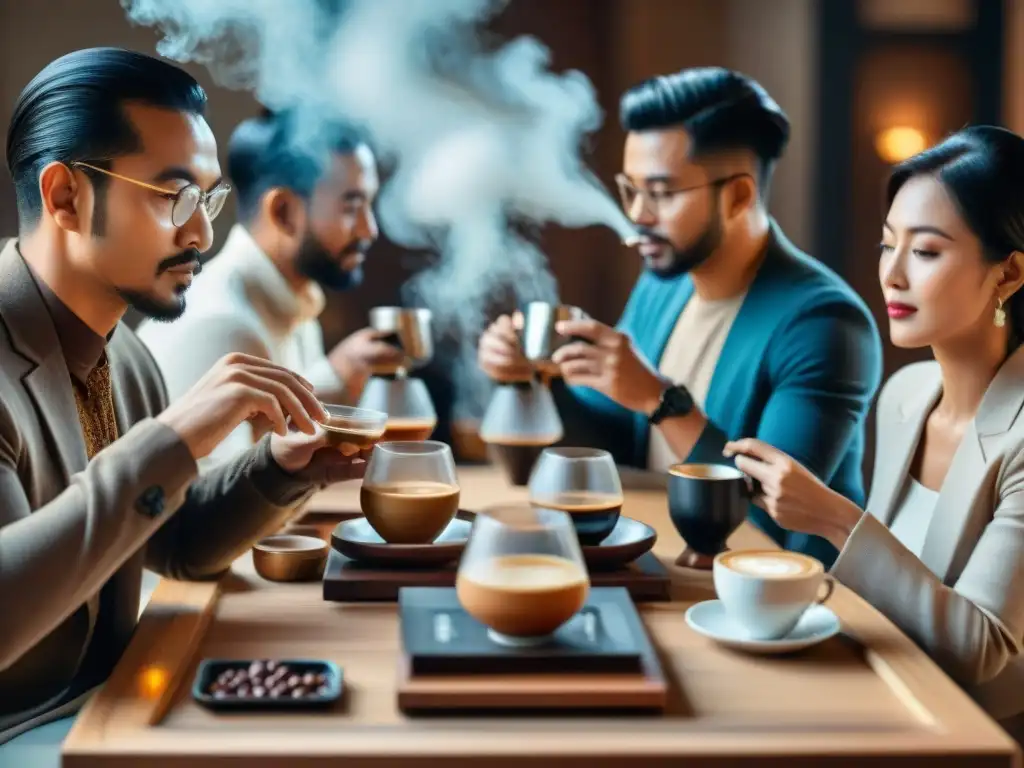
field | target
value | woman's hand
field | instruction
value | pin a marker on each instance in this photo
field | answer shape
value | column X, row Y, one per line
column 794, row 497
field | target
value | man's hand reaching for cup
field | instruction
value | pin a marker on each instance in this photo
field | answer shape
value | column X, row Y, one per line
column 499, row 353
column 604, row 359
column 272, row 398
column 311, row 458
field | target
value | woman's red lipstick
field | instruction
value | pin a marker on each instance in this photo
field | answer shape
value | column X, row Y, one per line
column 899, row 311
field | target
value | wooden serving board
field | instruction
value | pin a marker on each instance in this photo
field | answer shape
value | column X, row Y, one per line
column 349, row 581
column 422, row 694
column 646, row 689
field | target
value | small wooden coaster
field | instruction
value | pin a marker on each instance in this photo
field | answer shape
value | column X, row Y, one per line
column 346, row 580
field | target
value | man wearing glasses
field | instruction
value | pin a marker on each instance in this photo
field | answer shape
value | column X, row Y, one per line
column 117, row 183
column 305, row 223
column 730, row 330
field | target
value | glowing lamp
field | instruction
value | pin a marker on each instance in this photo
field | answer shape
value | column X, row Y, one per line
column 899, row 142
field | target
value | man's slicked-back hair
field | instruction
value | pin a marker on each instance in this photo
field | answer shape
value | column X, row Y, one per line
column 72, row 111
column 267, row 151
column 719, row 108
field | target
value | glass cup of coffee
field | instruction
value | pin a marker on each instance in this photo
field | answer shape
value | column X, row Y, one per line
column 410, row 491
column 406, row 400
column 359, row 427
column 582, row 482
column 765, row 592
column 522, row 574
column 521, row 420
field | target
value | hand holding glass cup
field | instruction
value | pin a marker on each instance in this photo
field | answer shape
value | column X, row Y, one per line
column 410, row 491
column 582, row 482
column 352, row 430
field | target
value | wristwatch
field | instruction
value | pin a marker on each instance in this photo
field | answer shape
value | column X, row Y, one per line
column 675, row 401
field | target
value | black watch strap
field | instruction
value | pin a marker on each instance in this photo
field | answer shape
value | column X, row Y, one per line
column 675, row 401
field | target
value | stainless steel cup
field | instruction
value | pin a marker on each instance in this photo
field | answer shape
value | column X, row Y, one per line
column 539, row 337
column 409, row 329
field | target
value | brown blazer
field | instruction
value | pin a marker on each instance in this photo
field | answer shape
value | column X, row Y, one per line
column 963, row 600
column 76, row 534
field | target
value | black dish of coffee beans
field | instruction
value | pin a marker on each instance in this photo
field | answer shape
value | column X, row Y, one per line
column 266, row 683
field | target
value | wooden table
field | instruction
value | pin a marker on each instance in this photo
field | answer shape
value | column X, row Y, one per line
column 869, row 695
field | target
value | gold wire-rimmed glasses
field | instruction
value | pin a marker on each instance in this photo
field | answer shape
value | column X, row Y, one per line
column 185, row 201
column 659, row 201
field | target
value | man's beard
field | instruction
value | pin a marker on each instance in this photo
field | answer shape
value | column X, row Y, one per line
column 148, row 306
column 316, row 263
column 693, row 255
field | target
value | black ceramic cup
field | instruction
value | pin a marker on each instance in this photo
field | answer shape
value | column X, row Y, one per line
column 706, row 503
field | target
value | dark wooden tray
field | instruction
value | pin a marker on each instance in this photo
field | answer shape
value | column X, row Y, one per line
column 345, row 580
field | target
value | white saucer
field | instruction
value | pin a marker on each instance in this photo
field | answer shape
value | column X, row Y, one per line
column 708, row 618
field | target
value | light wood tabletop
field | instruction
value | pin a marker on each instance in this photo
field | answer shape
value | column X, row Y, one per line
column 869, row 694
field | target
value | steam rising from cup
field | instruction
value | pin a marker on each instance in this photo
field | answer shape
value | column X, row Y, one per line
column 480, row 139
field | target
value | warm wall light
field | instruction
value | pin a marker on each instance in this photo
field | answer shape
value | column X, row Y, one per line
column 899, row 142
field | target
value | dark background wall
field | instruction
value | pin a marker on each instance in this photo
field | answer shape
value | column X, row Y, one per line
column 843, row 70
column 615, row 42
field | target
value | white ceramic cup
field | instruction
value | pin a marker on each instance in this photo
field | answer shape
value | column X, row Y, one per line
column 765, row 592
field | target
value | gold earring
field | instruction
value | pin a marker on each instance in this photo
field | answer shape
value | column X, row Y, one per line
column 1000, row 318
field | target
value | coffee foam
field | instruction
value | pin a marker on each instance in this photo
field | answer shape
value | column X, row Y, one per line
column 770, row 564
column 352, row 429
column 423, row 489
column 526, row 573
column 575, row 502
column 706, row 471
column 411, row 423
column 521, row 441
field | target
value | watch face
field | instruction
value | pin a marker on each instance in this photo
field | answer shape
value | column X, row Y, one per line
column 678, row 400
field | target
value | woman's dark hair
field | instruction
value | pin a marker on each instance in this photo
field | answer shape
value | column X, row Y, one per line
column 720, row 109
column 71, row 111
column 267, row 151
column 982, row 169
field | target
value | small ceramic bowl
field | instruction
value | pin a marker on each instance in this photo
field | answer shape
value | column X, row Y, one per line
column 290, row 557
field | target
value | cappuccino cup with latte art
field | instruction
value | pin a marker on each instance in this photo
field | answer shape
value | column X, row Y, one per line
column 766, row 591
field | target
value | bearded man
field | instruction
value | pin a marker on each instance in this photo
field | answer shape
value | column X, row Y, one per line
column 305, row 223
column 730, row 330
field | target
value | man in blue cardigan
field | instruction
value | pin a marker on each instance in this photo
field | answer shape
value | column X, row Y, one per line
column 730, row 331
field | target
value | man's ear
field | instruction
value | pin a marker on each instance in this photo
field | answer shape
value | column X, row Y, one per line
column 64, row 199
column 739, row 196
column 283, row 211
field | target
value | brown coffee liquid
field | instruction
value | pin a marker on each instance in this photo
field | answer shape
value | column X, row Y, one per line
column 526, row 441
column 411, row 512
column 593, row 514
column 522, row 595
column 339, row 431
column 407, row 429
column 581, row 502
column 517, row 454
column 705, row 471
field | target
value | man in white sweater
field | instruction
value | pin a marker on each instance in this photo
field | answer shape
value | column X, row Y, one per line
column 305, row 222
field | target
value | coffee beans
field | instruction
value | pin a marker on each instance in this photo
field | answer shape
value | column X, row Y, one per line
column 268, row 680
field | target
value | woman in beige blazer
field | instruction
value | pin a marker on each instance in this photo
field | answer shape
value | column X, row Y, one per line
column 940, row 548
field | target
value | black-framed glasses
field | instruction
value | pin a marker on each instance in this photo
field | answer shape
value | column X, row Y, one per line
column 659, row 201
column 185, row 201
